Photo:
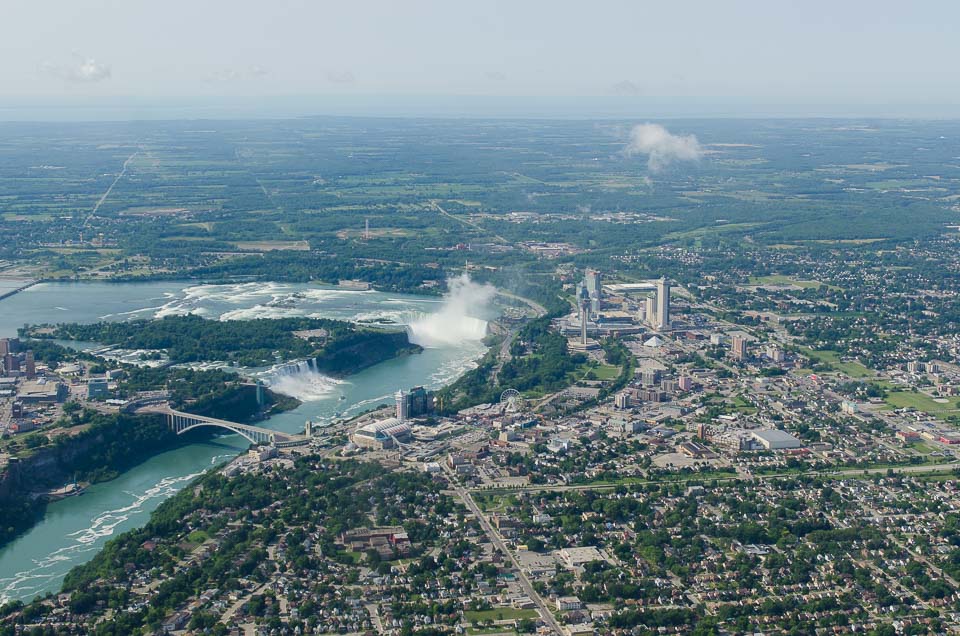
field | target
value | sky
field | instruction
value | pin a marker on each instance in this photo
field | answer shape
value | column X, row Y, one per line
column 852, row 52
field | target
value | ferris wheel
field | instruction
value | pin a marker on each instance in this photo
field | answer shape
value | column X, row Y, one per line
column 511, row 400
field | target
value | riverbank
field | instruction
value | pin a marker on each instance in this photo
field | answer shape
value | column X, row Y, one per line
column 98, row 448
column 74, row 529
column 13, row 292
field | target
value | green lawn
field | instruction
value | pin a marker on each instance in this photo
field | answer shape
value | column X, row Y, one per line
column 779, row 279
column 919, row 401
column 852, row 369
column 499, row 614
column 198, row 536
column 606, row 372
column 855, row 369
column 357, row 557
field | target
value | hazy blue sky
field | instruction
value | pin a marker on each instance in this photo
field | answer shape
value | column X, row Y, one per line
column 837, row 51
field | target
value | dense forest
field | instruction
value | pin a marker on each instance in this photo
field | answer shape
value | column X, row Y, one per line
column 19, row 512
column 340, row 348
column 540, row 363
column 105, row 446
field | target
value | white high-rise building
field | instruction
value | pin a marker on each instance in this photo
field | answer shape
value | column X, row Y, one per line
column 402, row 406
column 663, row 304
column 650, row 311
column 594, row 291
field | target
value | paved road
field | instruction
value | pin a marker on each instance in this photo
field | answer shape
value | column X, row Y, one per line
column 852, row 472
column 532, row 304
column 103, row 198
column 504, row 356
column 499, row 543
column 461, row 219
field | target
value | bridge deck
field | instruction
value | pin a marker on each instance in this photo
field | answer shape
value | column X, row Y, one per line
column 256, row 431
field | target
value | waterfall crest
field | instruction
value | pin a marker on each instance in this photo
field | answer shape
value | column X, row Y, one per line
column 301, row 380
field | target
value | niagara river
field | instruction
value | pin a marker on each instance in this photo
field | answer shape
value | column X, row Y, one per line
column 72, row 531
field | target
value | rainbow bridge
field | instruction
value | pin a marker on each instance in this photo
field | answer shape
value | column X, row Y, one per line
column 181, row 422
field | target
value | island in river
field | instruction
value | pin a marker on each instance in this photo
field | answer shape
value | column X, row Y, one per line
column 336, row 347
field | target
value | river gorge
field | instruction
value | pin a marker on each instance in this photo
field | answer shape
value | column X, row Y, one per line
column 450, row 330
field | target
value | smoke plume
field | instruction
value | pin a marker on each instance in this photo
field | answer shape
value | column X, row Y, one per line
column 662, row 147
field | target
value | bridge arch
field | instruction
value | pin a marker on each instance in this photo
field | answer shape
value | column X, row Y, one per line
column 180, row 423
column 251, row 437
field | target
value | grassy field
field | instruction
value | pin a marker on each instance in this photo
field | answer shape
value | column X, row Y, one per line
column 266, row 246
column 491, row 503
column 923, row 448
column 198, row 536
column 919, row 401
column 499, row 614
column 778, row 279
column 716, row 473
column 357, row 557
column 606, row 372
column 853, row 369
column 489, row 631
column 743, row 406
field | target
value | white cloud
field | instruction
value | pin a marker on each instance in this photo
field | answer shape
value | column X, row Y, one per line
column 233, row 75
column 662, row 147
column 340, row 77
column 627, row 87
column 83, row 69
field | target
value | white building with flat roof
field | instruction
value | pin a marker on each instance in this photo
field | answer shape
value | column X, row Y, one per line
column 774, row 439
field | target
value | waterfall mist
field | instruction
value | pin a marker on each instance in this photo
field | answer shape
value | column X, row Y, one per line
column 460, row 317
column 300, row 380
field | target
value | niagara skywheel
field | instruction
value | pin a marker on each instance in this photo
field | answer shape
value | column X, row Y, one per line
column 511, row 400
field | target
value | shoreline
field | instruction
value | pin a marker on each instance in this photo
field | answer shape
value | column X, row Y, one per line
column 14, row 292
column 364, row 399
column 226, row 280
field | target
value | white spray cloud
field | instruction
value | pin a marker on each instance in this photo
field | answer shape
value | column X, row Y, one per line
column 83, row 69
column 301, row 380
column 461, row 317
column 662, row 147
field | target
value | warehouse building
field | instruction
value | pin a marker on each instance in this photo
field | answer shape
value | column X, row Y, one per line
column 776, row 440
column 41, row 391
